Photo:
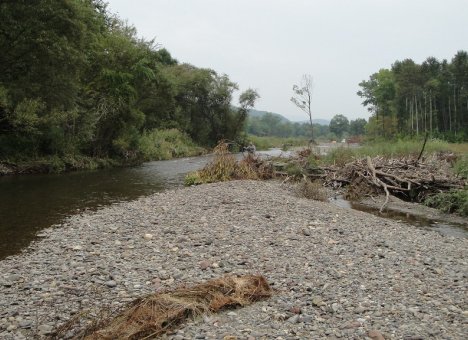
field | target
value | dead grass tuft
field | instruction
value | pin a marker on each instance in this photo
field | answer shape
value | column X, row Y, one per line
column 312, row 190
column 224, row 167
column 159, row 313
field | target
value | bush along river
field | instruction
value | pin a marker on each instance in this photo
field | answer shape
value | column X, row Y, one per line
column 31, row 203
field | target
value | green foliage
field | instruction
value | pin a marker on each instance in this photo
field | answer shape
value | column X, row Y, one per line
column 402, row 148
column 339, row 156
column 399, row 148
column 77, row 80
column 293, row 169
column 272, row 125
column 461, row 166
column 193, row 178
column 357, row 127
column 167, row 144
column 454, row 201
column 56, row 164
column 265, row 143
column 412, row 99
column 339, row 125
column 312, row 162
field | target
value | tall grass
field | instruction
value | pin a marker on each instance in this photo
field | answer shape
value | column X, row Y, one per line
column 167, row 144
column 268, row 142
column 343, row 154
column 402, row 148
column 224, row 167
column 461, row 166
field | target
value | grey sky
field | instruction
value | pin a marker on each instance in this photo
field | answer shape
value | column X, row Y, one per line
column 268, row 44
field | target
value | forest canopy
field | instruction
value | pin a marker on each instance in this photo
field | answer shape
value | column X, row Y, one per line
column 412, row 99
column 77, row 80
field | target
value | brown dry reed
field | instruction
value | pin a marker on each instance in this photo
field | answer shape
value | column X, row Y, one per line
column 156, row 314
column 312, row 190
column 224, row 167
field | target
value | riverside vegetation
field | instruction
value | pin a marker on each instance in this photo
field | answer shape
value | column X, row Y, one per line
column 80, row 89
column 438, row 179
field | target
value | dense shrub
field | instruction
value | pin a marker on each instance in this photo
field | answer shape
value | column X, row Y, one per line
column 167, row 144
column 454, row 201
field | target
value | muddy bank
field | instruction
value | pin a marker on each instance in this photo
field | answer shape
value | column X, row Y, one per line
column 339, row 273
column 56, row 165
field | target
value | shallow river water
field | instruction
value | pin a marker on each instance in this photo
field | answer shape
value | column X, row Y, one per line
column 33, row 202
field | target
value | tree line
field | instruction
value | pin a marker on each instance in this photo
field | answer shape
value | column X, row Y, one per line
column 412, row 99
column 76, row 79
column 271, row 124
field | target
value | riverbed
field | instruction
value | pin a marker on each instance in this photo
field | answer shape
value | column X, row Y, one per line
column 338, row 273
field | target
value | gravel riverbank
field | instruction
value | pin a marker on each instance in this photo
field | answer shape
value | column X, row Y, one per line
column 339, row 273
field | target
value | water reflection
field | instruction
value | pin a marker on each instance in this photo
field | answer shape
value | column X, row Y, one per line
column 444, row 228
column 31, row 203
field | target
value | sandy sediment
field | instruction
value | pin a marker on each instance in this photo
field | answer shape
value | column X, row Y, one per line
column 338, row 273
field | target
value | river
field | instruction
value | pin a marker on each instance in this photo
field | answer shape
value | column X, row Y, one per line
column 31, row 203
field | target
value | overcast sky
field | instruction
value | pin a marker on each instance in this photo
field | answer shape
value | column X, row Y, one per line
column 269, row 44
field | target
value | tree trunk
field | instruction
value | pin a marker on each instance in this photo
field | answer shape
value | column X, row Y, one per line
column 412, row 116
column 416, row 112
column 430, row 112
column 450, row 114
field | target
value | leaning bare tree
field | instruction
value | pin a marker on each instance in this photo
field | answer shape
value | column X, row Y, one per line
column 303, row 98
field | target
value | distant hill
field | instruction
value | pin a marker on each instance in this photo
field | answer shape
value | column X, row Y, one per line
column 321, row 121
column 258, row 113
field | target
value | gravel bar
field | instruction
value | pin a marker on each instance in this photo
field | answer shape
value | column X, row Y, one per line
column 337, row 273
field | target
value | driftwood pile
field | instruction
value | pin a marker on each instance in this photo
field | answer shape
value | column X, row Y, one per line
column 405, row 178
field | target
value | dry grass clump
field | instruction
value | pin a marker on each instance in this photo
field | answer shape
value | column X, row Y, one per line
column 224, row 167
column 252, row 167
column 312, row 190
column 159, row 313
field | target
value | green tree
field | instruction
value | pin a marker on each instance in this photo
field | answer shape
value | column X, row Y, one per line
column 412, row 98
column 379, row 94
column 339, row 125
column 46, row 46
column 357, row 127
column 77, row 80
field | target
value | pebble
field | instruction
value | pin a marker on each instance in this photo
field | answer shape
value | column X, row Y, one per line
column 110, row 284
column 375, row 335
column 148, row 236
column 347, row 274
column 293, row 319
column 45, row 329
column 25, row 323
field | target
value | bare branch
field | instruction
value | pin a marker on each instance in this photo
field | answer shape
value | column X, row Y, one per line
column 303, row 97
